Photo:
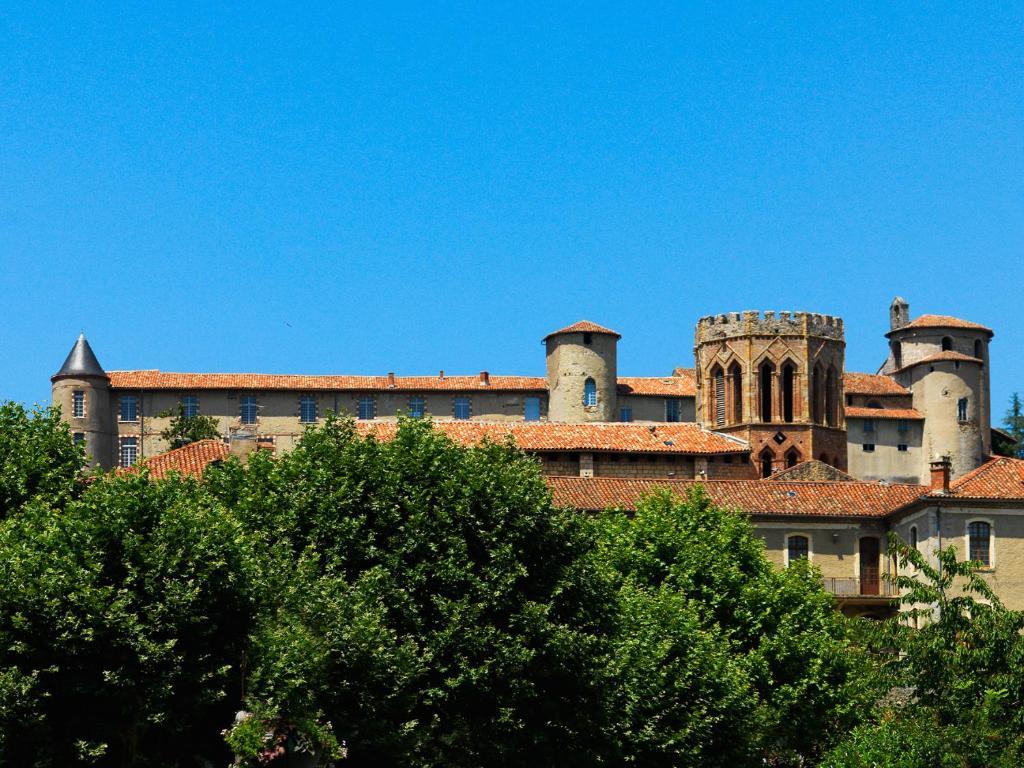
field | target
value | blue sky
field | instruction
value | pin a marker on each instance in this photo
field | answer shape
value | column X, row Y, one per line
column 416, row 187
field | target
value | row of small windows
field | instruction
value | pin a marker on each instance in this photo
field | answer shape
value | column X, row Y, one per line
column 870, row 447
column 726, row 395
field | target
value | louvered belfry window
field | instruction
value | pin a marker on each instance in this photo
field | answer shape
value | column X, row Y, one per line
column 719, row 398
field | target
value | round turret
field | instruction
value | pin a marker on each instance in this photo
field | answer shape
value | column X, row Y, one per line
column 776, row 379
column 82, row 390
column 944, row 362
column 582, row 375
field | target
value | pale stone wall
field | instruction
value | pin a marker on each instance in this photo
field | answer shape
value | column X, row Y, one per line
column 570, row 362
column 834, row 545
column 96, row 425
column 665, row 467
column 887, row 462
column 648, row 408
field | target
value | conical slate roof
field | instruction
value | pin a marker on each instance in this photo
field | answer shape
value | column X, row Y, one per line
column 81, row 361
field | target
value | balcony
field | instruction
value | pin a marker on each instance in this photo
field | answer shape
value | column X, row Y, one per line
column 866, row 587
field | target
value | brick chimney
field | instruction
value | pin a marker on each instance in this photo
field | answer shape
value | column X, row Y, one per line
column 940, row 475
column 391, row 379
column 485, row 379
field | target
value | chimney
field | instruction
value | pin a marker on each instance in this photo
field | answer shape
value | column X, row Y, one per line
column 241, row 444
column 440, row 375
column 940, row 475
column 485, row 379
column 391, row 379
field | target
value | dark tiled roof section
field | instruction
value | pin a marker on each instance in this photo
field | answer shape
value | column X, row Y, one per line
column 661, row 438
column 81, row 361
column 584, row 326
column 664, row 386
column 1000, row 477
column 942, row 321
column 871, row 384
column 944, row 357
column 753, row 497
column 883, row 413
column 191, row 459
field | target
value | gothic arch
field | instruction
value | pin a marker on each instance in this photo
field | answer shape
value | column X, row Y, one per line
column 788, row 385
column 735, row 379
column 767, row 462
column 765, row 380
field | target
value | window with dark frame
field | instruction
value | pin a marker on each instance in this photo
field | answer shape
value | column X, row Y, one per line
column 307, row 409
column 462, row 408
column 78, row 404
column 129, row 408
column 798, row 548
column 979, row 535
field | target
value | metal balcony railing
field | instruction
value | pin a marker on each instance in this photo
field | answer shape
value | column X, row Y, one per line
column 862, row 587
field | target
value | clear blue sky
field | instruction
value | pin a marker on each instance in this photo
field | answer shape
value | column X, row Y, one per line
column 425, row 187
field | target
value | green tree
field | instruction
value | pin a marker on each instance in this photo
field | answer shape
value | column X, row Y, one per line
column 123, row 619
column 38, row 458
column 183, row 429
column 722, row 659
column 1014, row 423
column 425, row 599
column 961, row 673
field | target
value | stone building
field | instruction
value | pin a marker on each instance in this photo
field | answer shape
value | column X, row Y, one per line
column 825, row 461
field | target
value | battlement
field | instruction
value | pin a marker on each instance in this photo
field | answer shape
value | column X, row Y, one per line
column 768, row 323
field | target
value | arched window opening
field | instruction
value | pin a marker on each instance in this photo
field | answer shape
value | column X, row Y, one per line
column 897, row 354
column 978, row 349
column 831, row 393
column 979, row 535
column 817, row 400
column 736, row 375
column 797, row 548
column 589, row 392
column 766, row 374
column 947, row 344
column 767, row 462
column 718, row 396
column 792, row 457
column 788, row 379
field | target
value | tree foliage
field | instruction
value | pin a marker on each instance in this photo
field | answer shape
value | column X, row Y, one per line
column 1014, row 423
column 183, row 429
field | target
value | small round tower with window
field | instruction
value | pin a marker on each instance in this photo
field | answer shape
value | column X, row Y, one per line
column 582, row 375
column 943, row 361
column 82, row 390
column 776, row 380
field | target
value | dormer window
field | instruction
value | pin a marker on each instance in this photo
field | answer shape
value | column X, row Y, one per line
column 589, row 392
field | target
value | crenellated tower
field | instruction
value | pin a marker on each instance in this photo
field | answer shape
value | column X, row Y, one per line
column 775, row 380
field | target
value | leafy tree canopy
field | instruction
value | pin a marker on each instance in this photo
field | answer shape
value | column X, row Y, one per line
column 183, row 429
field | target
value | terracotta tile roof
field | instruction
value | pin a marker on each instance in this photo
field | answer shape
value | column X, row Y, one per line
column 1000, row 477
column 946, row 356
column 753, row 497
column 883, row 413
column 584, row 326
column 871, row 384
column 812, row 470
column 942, row 321
column 676, row 438
column 665, row 386
column 191, row 459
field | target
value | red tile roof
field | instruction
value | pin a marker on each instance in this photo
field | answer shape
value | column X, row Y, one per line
column 753, row 497
column 947, row 356
column 1000, row 477
column 584, row 326
column 883, row 413
column 677, row 438
column 191, row 459
column 662, row 386
column 942, row 321
column 871, row 384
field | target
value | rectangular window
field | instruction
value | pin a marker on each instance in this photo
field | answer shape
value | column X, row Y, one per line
column 532, row 410
column 247, row 409
column 417, row 407
column 190, row 406
column 625, row 414
column 129, row 408
column 672, row 409
column 78, row 404
column 961, row 409
column 902, row 425
column 462, row 408
column 902, row 448
column 869, row 425
column 129, row 451
column 307, row 409
column 868, row 447
column 979, row 534
column 798, row 547
column 78, row 437
column 367, row 408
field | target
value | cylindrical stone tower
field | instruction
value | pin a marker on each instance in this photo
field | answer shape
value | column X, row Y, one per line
column 582, row 374
column 82, row 390
column 776, row 380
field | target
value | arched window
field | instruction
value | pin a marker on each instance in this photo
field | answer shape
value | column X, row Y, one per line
column 913, row 537
column 766, row 374
column 798, row 547
column 978, row 349
column 817, row 398
column 788, row 377
column 979, row 543
column 767, row 462
column 589, row 392
column 792, row 457
column 736, row 375
column 718, row 396
column 897, row 354
column 831, row 397
column 947, row 344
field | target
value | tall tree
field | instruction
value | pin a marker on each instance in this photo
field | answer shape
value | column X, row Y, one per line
column 183, row 429
column 1014, row 423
